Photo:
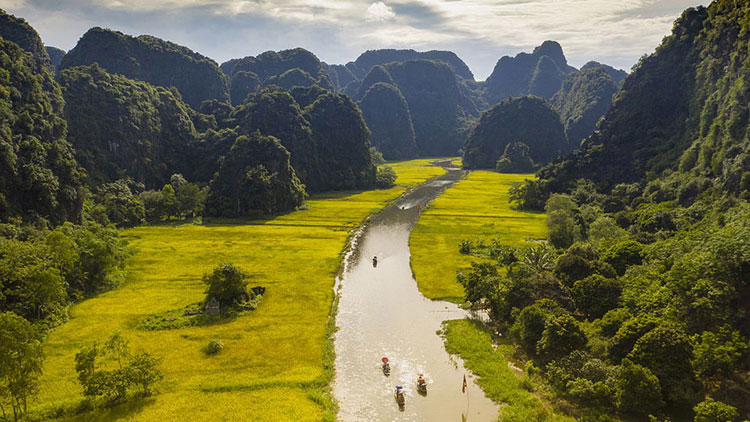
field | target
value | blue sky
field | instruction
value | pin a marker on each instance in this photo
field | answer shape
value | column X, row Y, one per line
column 615, row 32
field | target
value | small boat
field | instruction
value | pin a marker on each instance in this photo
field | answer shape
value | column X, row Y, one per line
column 399, row 396
column 374, row 261
column 421, row 385
column 386, row 367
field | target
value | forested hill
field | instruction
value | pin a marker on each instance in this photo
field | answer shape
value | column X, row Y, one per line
column 362, row 65
column 152, row 60
column 20, row 32
column 684, row 109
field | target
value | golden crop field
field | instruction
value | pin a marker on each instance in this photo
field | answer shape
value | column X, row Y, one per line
column 277, row 361
column 476, row 207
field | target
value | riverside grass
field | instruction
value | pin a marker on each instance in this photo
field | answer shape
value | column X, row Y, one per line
column 476, row 207
column 277, row 361
column 473, row 343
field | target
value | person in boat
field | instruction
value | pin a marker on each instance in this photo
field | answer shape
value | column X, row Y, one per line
column 421, row 384
column 374, row 261
column 400, row 395
column 386, row 366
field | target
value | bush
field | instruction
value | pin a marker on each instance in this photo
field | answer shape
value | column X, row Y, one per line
column 385, row 177
column 213, row 347
column 465, row 247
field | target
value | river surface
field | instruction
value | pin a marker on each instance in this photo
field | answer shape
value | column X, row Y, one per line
column 383, row 314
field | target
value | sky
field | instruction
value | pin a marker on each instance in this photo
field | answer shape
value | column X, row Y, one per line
column 615, row 32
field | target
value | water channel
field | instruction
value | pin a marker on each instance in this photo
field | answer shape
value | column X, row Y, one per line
column 383, row 314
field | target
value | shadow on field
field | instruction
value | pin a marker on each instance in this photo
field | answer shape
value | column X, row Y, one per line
column 123, row 411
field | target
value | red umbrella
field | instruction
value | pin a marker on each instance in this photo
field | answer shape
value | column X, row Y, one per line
column 384, row 359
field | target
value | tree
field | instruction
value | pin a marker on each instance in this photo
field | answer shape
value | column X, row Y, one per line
column 717, row 354
column 667, row 352
column 480, row 284
column 21, row 355
column 121, row 206
column 710, row 410
column 227, row 284
column 595, row 295
column 531, row 322
column 562, row 335
column 385, row 177
column 99, row 378
column 624, row 254
column 637, row 390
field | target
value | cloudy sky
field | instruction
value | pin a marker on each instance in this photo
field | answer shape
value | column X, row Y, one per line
column 616, row 32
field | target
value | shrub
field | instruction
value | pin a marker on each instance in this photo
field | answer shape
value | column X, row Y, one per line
column 562, row 335
column 213, row 347
column 465, row 247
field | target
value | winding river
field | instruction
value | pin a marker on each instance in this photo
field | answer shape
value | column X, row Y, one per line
column 382, row 314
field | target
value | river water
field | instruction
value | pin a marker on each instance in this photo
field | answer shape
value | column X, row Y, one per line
column 382, row 314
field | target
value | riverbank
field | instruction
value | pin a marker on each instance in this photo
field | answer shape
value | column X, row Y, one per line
column 477, row 207
column 273, row 366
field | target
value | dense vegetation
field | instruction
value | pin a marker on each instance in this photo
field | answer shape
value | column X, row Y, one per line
column 255, row 178
column 585, row 96
column 526, row 120
column 637, row 306
column 38, row 176
column 152, row 60
column 124, row 128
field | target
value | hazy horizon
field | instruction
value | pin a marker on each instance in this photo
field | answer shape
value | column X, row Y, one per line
column 478, row 31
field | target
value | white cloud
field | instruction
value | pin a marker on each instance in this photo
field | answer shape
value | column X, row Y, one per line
column 379, row 12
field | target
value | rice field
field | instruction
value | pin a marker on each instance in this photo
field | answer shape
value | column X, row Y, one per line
column 277, row 360
column 413, row 172
column 476, row 207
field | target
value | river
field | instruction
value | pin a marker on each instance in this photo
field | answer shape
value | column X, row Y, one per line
column 382, row 314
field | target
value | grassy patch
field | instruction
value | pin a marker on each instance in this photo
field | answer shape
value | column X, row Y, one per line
column 476, row 207
column 192, row 316
column 473, row 344
column 277, row 361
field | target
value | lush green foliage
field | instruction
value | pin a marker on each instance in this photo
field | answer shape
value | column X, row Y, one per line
column 526, row 119
column 515, row 159
column 227, row 284
column 55, row 56
column 371, row 58
column 152, row 60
